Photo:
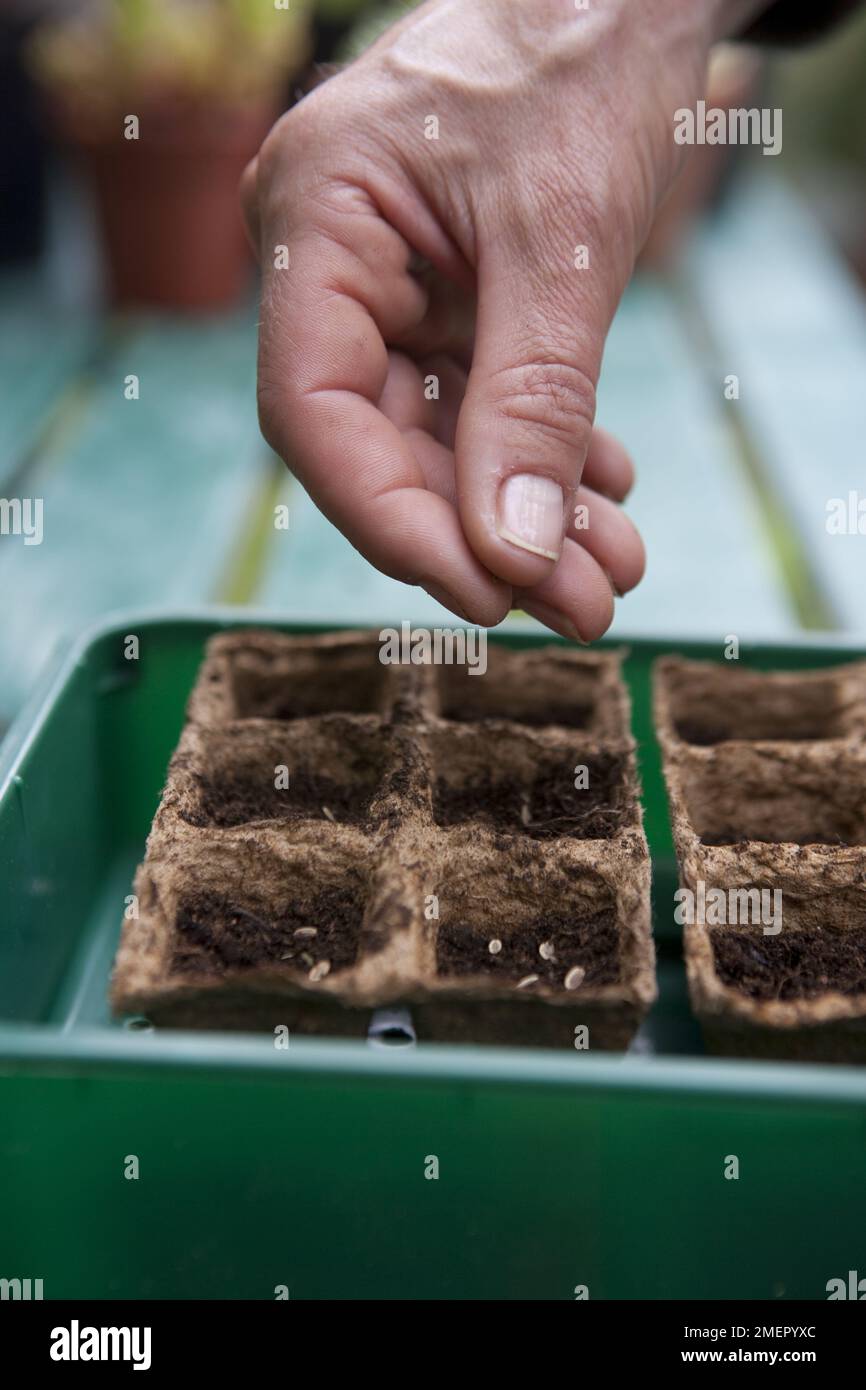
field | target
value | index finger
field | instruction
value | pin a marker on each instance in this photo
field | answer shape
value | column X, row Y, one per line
column 335, row 290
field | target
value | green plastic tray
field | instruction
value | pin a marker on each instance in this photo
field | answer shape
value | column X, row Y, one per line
column 306, row 1168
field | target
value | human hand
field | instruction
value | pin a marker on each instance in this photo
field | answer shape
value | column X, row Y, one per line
column 455, row 260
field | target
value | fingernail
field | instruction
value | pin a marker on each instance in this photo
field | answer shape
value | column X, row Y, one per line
column 531, row 511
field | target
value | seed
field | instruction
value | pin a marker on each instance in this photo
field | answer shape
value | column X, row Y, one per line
column 547, row 950
column 494, row 946
column 328, row 814
column 306, row 958
column 575, row 977
column 306, row 931
column 527, row 980
column 319, row 971
column 525, row 813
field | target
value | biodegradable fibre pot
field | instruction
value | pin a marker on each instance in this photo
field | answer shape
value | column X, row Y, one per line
column 338, row 835
column 168, row 201
column 766, row 779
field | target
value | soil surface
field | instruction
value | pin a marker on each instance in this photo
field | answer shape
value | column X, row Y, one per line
column 236, row 798
column 350, row 689
column 591, row 942
column 714, row 841
column 706, row 735
column 213, row 935
column 566, row 716
column 793, row 965
column 546, row 809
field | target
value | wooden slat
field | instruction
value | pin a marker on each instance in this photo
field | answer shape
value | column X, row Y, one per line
column 791, row 323
column 42, row 351
column 145, row 504
column 709, row 566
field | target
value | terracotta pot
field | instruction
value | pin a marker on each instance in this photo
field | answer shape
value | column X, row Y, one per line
column 168, row 202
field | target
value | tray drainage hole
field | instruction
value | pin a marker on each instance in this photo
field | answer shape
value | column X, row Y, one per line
column 137, row 1023
column 391, row 1028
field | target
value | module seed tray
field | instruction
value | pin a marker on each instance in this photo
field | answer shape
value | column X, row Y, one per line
column 446, row 847
column 766, row 776
column 305, row 1165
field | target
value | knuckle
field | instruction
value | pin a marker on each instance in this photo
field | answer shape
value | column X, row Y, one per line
column 293, row 146
column 272, row 150
column 550, row 395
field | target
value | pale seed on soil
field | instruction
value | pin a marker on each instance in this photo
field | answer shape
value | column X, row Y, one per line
column 527, row 980
column 575, row 977
column 306, row 931
column 319, row 971
column 547, row 950
column 494, row 946
column 328, row 814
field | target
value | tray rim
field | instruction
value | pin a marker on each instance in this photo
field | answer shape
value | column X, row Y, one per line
column 44, row 1048
column 71, row 652
column 36, row 1049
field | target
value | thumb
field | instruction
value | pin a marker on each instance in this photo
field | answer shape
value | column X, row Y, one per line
column 527, row 415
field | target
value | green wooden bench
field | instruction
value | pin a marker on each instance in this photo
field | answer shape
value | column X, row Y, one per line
column 36, row 371
column 787, row 318
column 168, row 499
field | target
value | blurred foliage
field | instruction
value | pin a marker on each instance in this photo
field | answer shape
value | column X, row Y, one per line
column 371, row 25
column 823, row 93
column 332, row 10
column 111, row 52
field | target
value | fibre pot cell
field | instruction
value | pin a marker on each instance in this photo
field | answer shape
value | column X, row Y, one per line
column 766, row 779
column 338, row 835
